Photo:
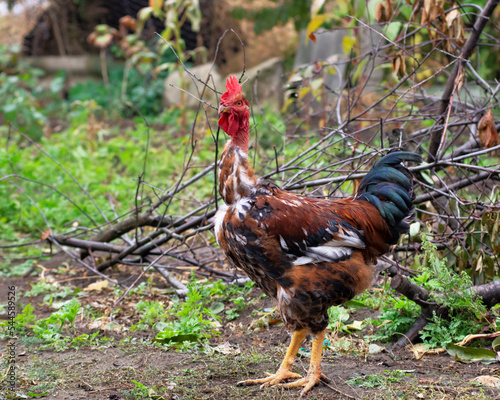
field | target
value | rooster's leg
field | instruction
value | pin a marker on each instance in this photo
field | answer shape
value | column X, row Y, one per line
column 285, row 370
column 314, row 374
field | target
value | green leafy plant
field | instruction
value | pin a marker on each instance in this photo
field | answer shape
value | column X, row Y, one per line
column 52, row 291
column 23, row 101
column 152, row 313
column 446, row 287
column 338, row 316
column 398, row 315
column 6, row 269
column 194, row 321
column 25, row 320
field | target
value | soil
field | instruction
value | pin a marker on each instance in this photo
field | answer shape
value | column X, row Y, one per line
column 132, row 367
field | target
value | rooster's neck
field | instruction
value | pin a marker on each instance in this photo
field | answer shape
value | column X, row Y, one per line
column 242, row 137
column 236, row 178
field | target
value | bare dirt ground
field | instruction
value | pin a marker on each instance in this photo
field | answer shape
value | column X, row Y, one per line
column 135, row 368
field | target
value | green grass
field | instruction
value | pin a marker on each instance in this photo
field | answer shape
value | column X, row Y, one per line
column 106, row 167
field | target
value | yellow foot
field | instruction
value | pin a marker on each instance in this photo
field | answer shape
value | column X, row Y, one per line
column 306, row 383
column 272, row 379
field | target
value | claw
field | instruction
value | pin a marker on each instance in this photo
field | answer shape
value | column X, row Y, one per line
column 272, row 379
column 306, row 383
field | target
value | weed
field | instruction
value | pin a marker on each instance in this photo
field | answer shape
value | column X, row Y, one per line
column 447, row 288
column 338, row 315
column 232, row 314
column 194, row 320
column 53, row 291
column 378, row 380
column 451, row 290
column 39, row 288
column 25, row 320
column 398, row 315
column 152, row 313
column 18, row 270
column 25, row 103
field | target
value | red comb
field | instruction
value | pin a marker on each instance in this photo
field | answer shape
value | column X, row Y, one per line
column 233, row 87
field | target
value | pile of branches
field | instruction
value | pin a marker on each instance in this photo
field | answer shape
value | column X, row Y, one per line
column 464, row 131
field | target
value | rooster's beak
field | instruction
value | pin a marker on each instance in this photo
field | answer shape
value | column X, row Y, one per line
column 223, row 109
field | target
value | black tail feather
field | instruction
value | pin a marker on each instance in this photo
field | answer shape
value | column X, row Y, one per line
column 389, row 187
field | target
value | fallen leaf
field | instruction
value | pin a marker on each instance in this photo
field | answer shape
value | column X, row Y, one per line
column 227, row 348
column 488, row 135
column 356, row 325
column 171, row 385
column 375, row 348
column 216, row 307
column 419, row 350
column 105, row 324
column 471, row 354
column 99, row 285
column 487, row 380
column 496, row 344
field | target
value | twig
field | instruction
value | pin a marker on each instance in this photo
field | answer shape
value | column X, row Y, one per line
column 339, row 391
column 467, row 51
column 481, row 176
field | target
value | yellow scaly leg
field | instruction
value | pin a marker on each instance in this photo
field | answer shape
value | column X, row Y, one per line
column 285, row 370
column 314, row 374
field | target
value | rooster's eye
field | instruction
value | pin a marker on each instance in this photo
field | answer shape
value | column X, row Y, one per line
column 239, row 103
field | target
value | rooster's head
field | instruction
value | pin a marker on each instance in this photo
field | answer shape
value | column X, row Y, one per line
column 234, row 111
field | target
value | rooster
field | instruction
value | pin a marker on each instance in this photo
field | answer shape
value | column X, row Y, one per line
column 309, row 254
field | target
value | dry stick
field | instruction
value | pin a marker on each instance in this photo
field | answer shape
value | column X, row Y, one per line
column 77, row 259
column 129, row 288
column 182, row 289
column 147, row 218
column 145, row 248
column 189, row 225
column 128, row 223
column 91, row 245
column 338, row 391
column 470, row 45
column 178, row 189
column 455, row 186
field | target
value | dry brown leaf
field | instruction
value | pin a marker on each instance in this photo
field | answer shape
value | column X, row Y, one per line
column 454, row 29
column 452, row 16
column 380, row 12
column 383, row 11
column 488, row 135
column 46, row 234
column 419, row 350
column 417, row 6
column 399, row 64
column 429, row 6
column 104, row 323
column 487, row 380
